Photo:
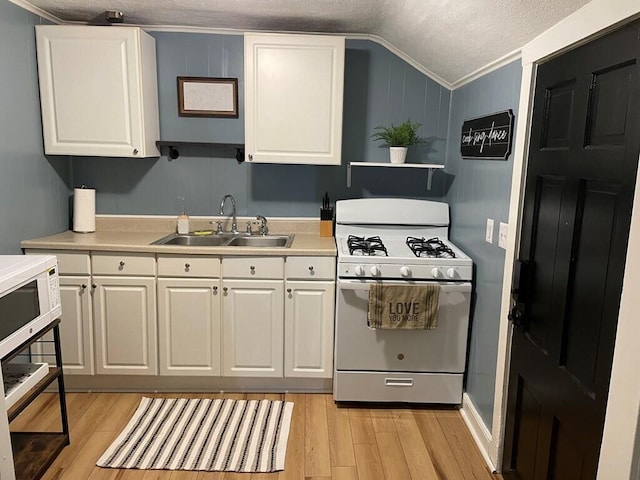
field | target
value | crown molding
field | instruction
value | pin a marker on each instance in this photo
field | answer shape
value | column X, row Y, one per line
column 38, row 11
column 488, row 68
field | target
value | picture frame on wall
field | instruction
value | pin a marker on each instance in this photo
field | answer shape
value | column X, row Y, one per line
column 207, row 97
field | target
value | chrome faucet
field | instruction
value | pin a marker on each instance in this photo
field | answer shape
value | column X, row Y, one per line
column 234, row 225
column 263, row 224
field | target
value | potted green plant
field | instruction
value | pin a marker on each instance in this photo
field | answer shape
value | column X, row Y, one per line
column 398, row 138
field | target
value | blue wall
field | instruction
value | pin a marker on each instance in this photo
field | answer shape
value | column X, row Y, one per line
column 34, row 190
column 380, row 88
column 480, row 190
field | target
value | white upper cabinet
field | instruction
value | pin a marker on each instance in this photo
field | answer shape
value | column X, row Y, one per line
column 98, row 90
column 293, row 98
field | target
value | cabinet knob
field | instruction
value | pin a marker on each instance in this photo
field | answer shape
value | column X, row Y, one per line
column 250, row 156
column 215, row 288
column 135, row 151
column 252, row 268
column 121, row 264
column 94, row 286
column 187, row 266
column 84, row 286
column 288, row 290
column 225, row 289
column 311, row 268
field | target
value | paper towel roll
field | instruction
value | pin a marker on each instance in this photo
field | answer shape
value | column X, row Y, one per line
column 84, row 210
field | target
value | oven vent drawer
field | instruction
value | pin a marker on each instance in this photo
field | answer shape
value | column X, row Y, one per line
column 362, row 386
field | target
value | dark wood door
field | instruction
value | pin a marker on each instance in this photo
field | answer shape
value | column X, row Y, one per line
column 581, row 171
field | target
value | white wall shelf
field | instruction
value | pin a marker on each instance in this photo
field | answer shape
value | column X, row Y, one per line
column 430, row 166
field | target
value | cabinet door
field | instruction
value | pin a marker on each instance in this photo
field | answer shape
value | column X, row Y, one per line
column 189, row 326
column 98, row 90
column 125, row 325
column 76, row 328
column 252, row 318
column 293, row 98
column 308, row 331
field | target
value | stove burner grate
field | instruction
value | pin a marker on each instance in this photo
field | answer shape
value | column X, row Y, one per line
column 433, row 247
column 366, row 246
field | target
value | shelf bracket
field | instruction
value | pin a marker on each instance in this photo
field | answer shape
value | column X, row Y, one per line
column 349, row 175
column 429, row 177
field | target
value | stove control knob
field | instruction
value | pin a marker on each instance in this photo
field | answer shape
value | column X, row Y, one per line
column 451, row 272
column 375, row 271
column 405, row 271
column 359, row 270
column 435, row 272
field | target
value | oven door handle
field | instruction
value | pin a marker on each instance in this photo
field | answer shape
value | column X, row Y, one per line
column 398, row 382
column 450, row 287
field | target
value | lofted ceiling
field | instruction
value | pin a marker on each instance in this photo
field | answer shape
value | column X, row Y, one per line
column 446, row 39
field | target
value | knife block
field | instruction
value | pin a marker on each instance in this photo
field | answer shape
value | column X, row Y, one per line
column 326, row 222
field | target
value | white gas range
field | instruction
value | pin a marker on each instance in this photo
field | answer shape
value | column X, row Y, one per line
column 405, row 242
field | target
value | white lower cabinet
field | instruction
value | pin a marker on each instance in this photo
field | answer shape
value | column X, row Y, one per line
column 252, row 317
column 308, row 317
column 189, row 326
column 193, row 315
column 125, row 325
column 76, row 325
column 76, row 322
column 308, row 331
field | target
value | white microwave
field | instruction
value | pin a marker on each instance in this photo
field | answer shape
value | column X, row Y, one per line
column 29, row 298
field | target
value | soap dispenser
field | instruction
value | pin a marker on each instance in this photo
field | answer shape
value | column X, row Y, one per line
column 183, row 222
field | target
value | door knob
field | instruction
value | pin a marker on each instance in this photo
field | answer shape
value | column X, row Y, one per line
column 516, row 316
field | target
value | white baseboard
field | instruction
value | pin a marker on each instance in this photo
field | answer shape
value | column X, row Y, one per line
column 480, row 433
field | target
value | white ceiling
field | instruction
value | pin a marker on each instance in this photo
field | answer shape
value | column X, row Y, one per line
column 446, row 39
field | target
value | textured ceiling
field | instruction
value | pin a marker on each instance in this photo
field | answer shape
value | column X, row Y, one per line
column 448, row 39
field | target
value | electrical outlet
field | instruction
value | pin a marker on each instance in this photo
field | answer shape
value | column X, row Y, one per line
column 502, row 235
column 489, row 233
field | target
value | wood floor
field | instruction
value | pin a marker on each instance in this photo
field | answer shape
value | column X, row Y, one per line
column 326, row 442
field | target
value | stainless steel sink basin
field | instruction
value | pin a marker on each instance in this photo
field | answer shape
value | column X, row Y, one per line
column 262, row 241
column 217, row 240
column 193, row 240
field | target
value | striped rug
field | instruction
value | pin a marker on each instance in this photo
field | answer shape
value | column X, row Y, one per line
column 203, row 434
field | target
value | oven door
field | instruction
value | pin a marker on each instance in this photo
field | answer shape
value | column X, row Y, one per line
column 361, row 348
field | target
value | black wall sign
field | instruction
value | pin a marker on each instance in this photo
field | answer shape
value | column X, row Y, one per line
column 488, row 137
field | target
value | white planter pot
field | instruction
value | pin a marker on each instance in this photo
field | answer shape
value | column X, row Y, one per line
column 397, row 154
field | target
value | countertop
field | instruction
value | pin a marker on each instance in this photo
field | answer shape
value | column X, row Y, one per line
column 136, row 233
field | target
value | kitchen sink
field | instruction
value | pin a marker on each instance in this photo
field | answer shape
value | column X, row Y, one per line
column 262, row 241
column 193, row 240
column 222, row 240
